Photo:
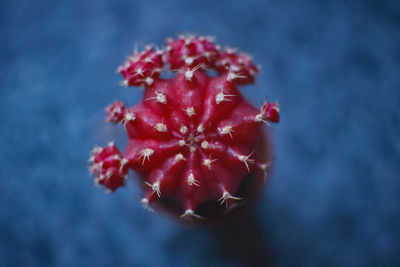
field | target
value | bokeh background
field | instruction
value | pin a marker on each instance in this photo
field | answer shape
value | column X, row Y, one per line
column 334, row 196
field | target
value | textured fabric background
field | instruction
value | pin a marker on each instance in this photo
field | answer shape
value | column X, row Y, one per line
column 334, row 196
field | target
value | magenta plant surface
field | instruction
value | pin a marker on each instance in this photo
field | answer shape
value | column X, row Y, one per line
column 192, row 138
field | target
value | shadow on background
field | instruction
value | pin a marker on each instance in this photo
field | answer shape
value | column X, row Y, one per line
column 244, row 239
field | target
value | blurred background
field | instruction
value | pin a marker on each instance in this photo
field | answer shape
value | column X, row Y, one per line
column 334, row 195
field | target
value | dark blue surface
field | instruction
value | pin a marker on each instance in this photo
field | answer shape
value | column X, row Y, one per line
column 335, row 194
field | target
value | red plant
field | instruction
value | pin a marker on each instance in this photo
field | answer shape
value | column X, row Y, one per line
column 192, row 138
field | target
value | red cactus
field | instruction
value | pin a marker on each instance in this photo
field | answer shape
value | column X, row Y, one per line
column 192, row 139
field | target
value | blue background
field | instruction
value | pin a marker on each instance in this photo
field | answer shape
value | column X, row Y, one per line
column 335, row 192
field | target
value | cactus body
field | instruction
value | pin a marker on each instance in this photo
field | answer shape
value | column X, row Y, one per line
column 192, row 138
